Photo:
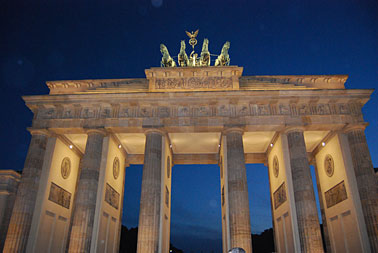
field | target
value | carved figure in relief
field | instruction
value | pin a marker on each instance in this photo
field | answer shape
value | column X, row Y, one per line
column 166, row 60
column 183, row 60
column 223, row 59
column 205, row 54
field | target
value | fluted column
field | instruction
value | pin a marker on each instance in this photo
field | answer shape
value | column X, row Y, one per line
column 149, row 214
column 240, row 225
column 304, row 197
column 86, row 194
column 20, row 223
column 366, row 182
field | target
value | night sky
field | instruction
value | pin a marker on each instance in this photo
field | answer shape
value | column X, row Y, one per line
column 57, row 40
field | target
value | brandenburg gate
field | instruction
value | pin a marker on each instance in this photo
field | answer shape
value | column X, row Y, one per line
column 86, row 132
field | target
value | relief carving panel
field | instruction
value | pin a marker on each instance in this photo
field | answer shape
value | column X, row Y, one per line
column 194, row 83
column 111, row 196
column 60, row 196
column 279, row 196
column 336, row 194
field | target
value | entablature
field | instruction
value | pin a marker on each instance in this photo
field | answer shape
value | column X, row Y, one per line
column 219, row 78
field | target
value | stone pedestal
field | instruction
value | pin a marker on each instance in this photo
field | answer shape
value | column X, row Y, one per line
column 149, row 214
column 85, row 200
column 240, row 225
column 305, row 204
column 367, row 183
column 19, row 226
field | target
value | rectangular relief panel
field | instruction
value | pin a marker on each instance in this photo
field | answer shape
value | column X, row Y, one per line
column 59, row 238
column 279, row 196
column 288, row 233
column 351, row 238
column 111, row 196
column 336, row 194
column 101, row 243
column 60, row 196
column 280, row 235
column 111, row 235
column 337, row 234
column 46, row 229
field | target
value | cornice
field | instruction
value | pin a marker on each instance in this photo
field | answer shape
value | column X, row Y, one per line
column 40, row 131
column 130, row 85
column 264, row 95
column 352, row 127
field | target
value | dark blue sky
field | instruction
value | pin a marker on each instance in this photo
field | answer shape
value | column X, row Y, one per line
column 55, row 40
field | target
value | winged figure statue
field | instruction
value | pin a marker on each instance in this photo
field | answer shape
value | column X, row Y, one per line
column 192, row 36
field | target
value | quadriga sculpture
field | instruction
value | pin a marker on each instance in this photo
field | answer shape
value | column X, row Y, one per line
column 205, row 54
column 223, row 59
column 183, row 60
column 166, row 60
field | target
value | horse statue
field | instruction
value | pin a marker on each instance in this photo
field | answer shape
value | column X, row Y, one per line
column 205, row 54
column 183, row 60
column 166, row 60
column 223, row 59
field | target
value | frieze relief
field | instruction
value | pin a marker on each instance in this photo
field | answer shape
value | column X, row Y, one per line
column 88, row 112
column 184, row 111
column 223, row 110
column 106, row 112
column 194, row 83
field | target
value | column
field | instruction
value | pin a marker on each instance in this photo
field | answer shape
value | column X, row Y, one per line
column 239, row 220
column 149, row 213
column 305, row 204
column 19, row 226
column 86, row 195
column 366, row 182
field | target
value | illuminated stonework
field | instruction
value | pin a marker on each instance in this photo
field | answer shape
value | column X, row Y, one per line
column 196, row 115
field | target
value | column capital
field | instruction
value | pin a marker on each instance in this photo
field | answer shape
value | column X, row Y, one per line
column 233, row 129
column 351, row 127
column 101, row 131
column 43, row 131
column 155, row 130
column 289, row 129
